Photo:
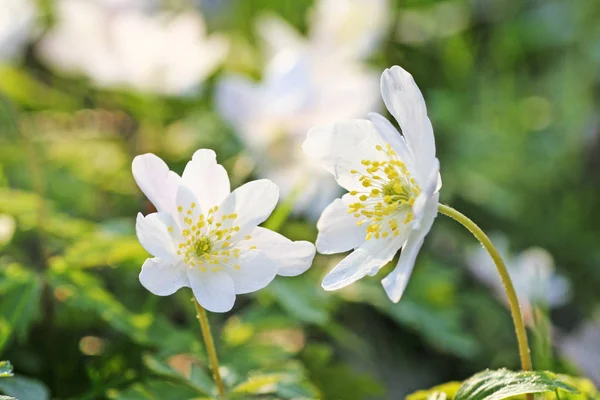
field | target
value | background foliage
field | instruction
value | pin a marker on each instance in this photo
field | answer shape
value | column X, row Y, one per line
column 512, row 91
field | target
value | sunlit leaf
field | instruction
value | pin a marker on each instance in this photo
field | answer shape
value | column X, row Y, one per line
column 502, row 383
column 5, row 369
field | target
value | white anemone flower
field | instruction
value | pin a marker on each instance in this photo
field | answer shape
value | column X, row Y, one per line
column 532, row 272
column 273, row 116
column 17, row 27
column 119, row 44
column 207, row 238
column 393, row 182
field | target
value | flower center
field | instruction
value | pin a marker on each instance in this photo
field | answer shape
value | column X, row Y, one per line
column 202, row 246
column 389, row 194
column 206, row 239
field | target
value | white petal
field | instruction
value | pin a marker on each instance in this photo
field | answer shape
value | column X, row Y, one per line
column 405, row 102
column 428, row 189
column 340, row 148
column 162, row 277
column 153, row 234
column 292, row 258
column 213, row 290
column 255, row 272
column 390, row 134
column 159, row 184
column 372, row 255
column 395, row 283
column 188, row 209
column 251, row 203
column 338, row 231
column 206, row 179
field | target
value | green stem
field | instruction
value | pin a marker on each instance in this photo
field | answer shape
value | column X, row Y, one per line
column 210, row 348
column 513, row 301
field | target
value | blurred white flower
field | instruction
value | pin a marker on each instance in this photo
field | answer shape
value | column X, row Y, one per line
column 272, row 119
column 116, row 44
column 17, row 26
column 582, row 347
column 532, row 273
column 206, row 237
column 307, row 81
column 342, row 29
column 393, row 181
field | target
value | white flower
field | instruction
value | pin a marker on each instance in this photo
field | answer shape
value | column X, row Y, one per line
column 17, row 26
column 117, row 44
column 393, row 181
column 531, row 271
column 205, row 237
column 347, row 30
column 308, row 80
column 272, row 119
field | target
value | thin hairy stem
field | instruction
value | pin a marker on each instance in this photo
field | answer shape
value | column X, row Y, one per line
column 513, row 301
column 210, row 348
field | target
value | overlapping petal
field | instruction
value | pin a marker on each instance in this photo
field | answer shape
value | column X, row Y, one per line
column 215, row 291
column 156, row 181
column 369, row 257
column 251, row 204
column 395, row 283
column 340, row 147
column 153, row 234
column 207, row 180
column 405, row 102
column 338, row 231
column 162, row 277
column 255, row 271
column 292, row 258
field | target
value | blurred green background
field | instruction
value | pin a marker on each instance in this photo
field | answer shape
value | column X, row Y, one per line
column 512, row 89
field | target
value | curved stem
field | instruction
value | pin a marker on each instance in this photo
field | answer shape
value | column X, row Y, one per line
column 210, row 347
column 513, row 301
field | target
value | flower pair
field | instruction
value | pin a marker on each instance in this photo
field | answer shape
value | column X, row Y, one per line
column 207, row 238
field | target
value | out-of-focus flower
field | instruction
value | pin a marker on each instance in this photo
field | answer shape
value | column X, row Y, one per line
column 116, row 44
column 17, row 26
column 338, row 29
column 272, row 119
column 307, row 81
column 206, row 237
column 393, row 182
column 531, row 271
column 582, row 347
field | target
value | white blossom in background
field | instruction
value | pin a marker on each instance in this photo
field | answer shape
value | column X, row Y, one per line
column 122, row 44
column 532, row 273
column 348, row 30
column 205, row 237
column 393, row 182
column 307, row 81
column 582, row 348
column 17, row 27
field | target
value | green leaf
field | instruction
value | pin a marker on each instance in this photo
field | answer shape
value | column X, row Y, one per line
column 24, row 388
column 447, row 389
column 153, row 390
column 5, row 369
column 502, row 383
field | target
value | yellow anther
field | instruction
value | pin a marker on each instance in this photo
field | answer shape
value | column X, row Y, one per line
column 248, row 237
column 170, row 229
column 365, row 162
column 353, row 193
column 378, row 147
column 363, row 197
column 237, row 266
column 180, row 209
